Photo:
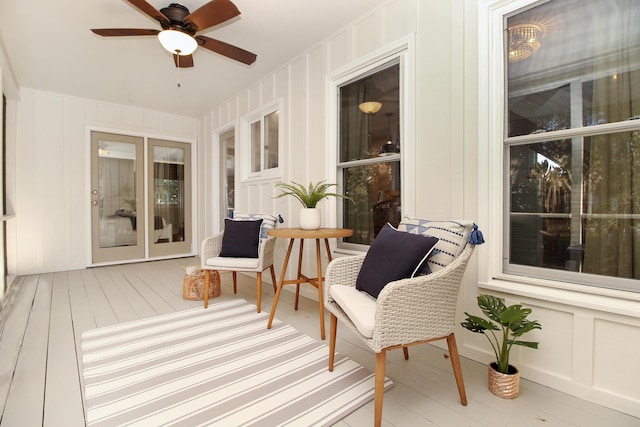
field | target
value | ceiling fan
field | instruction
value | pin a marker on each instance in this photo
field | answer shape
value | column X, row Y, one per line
column 179, row 28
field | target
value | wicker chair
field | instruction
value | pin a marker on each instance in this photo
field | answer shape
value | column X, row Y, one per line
column 210, row 260
column 407, row 312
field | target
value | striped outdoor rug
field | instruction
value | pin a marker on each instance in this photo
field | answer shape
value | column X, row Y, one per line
column 216, row 366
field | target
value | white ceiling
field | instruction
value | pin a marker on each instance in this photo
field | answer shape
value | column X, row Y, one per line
column 50, row 47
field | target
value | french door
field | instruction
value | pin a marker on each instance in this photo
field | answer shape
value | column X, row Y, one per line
column 136, row 215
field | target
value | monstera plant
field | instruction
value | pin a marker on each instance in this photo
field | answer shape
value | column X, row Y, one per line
column 503, row 327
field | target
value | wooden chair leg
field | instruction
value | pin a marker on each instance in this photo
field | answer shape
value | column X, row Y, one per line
column 258, row 289
column 207, row 283
column 333, row 329
column 235, row 285
column 457, row 368
column 273, row 278
column 405, row 351
column 381, row 359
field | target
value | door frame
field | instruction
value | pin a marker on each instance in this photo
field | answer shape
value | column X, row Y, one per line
column 194, row 192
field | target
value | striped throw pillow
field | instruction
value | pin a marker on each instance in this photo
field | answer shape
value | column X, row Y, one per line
column 452, row 239
column 268, row 221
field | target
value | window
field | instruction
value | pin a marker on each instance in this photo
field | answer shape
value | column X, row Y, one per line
column 572, row 143
column 263, row 130
column 369, row 160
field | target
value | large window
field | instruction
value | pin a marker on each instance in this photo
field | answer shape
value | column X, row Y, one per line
column 572, row 142
column 369, row 157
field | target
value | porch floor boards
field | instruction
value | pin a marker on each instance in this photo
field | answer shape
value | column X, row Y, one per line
column 41, row 325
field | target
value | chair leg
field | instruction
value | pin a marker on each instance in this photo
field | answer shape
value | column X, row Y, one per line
column 273, row 278
column 333, row 329
column 405, row 350
column 235, row 285
column 207, row 283
column 381, row 359
column 457, row 368
column 258, row 289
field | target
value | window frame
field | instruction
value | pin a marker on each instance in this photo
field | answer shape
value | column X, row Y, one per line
column 245, row 137
column 401, row 52
column 493, row 183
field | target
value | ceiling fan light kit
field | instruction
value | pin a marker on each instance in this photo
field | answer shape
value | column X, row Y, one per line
column 179, row 28
column 177, row 42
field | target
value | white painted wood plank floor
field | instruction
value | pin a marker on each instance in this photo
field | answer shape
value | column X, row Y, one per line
column 41, row 324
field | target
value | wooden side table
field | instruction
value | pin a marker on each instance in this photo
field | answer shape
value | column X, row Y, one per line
column 300, row 234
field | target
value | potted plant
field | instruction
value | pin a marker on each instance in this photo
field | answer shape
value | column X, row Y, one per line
column 510, row 323
column 309, row 197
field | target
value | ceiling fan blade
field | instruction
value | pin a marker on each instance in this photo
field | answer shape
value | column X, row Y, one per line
column 183, row 61
column 150, row 11
column 226, row 49
column 116, row 32
column 213, row 13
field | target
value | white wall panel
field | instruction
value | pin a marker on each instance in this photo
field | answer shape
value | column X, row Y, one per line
column 315, row 109
column 367, row 35
column 615, row 358
column 582, row 351
column 297, row 112
column 338, row 48
column 52, row 151
column 555, row 338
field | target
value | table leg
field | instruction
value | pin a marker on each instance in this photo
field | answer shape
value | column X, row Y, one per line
column 280, row 284
column 299, row 275
column 320, row 292
column 326, row 244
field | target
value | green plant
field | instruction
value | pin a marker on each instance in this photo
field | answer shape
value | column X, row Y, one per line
column 511, row 322
column 308, row 196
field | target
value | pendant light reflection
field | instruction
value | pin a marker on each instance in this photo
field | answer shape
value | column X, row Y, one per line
column 370, row 107
column 524, row 41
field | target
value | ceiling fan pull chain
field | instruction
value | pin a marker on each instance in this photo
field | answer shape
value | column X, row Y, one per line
column 178, row 63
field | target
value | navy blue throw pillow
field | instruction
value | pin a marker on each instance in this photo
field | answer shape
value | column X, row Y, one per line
column 393, row 255
column 241, row 239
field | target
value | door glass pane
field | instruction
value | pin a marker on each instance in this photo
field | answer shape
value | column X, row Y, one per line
column 169, row 187
column 117, row 190
column 271, row 143
column 227, row 171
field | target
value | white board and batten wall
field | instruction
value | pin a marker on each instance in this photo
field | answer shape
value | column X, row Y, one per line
column 52, row 182
column 589, row 344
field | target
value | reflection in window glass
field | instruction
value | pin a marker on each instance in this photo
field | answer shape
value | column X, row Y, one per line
column 585, row 219
column 369, row 147
column 118, row 203
column 169, row 212
column 271, row 140
column 574, row 203
column 255, row 147
column 376, row 192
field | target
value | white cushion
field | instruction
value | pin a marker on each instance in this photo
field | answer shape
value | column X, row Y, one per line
column 233, row 263
column 452, row 238
column 359, row 306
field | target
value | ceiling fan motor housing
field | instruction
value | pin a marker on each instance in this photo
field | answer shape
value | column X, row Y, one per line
column 176, row 13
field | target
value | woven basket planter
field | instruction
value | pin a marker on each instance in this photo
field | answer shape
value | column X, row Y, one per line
column 193, row 284
column 502, row 385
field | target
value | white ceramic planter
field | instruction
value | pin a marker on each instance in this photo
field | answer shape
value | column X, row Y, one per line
column 309, row 218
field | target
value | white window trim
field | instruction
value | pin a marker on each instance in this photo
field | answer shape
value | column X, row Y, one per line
column 243, row 143
column 491, row 82
column 404, row 51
